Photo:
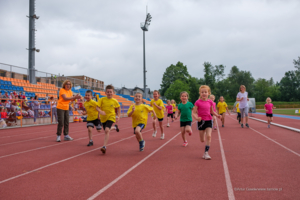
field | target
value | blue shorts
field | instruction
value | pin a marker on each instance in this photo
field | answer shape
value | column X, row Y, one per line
column 140, row 125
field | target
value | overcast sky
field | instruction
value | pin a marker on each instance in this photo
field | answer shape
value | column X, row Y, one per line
column 103, row 39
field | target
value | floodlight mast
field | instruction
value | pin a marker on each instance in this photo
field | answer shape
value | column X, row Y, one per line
column 144, row 27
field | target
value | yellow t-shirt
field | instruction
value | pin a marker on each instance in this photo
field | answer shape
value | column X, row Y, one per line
column 174, row 107
column 237, row 108
column 159, row 113
column 90, row 107
column 222, row 107
column 140, row 115
column 108, row 106
column 62, row 104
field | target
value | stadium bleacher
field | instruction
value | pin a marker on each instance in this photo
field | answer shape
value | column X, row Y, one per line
column 40, row 89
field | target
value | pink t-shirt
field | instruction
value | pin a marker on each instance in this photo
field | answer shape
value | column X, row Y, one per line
column 214, row 106
column 269, row 107
column 204, row 109
column 170, row 109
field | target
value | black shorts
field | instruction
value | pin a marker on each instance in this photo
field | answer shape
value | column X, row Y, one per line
column 182, row 124
column 204, row 124
column 140, row 125
column 170, row 115
column 221, row 113
column 239, row 115
column 94, row 123
column 107, row 124
column 269, row 115
column 160, row 119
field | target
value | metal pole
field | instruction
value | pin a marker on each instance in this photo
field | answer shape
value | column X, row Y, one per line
column 144, row 64
column 31, row 52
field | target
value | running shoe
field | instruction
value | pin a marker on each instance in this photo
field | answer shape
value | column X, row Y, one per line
column 247, row 125
column 268, row 126
column 142, row 145
column 168, row 125
column 215, row 128
column 185, row 144
column 58, row 139
column 91, row 143
column 242, row 125
column 222, row 125
column 154, row 134
column 103, row 149
column 68, row 138
column 206, row 156
column 117, row 128
column 162, row 136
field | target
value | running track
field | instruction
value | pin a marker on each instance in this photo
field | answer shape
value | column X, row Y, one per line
column 245, row 164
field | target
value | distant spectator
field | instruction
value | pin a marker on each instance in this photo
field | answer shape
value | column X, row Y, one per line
column 3, row 113
column 35, row 107
column 53, row 110
column 3, row 117
column 15, row 93
column 12, row 117
column 5, row 96
column 11, row 95
column 20, row 95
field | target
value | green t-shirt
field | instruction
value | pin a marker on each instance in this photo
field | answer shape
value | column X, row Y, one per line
column 186, row 111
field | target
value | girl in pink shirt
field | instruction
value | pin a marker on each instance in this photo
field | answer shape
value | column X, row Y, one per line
column 269, row 110
column 169, row 109
column 212, row 98
column 202, row 113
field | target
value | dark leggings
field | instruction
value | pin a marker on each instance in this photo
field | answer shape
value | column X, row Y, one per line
column 63, row 121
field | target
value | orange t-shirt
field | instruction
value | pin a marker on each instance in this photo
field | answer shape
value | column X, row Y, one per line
column 63, row 104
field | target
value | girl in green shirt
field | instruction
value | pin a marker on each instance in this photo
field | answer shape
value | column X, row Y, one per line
column 185, row 112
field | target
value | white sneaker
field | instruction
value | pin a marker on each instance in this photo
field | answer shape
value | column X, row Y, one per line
column 4, row 125
column 162, row 136
column 58, row 139
column 206, row 156
column 154, row 134
column 68, row 138
column 168, row 125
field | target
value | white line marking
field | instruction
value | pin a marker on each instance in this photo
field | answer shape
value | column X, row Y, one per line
column 279, row 125
column 226, row 171
column 29, row 172
column 129, row 170
column 274, row 141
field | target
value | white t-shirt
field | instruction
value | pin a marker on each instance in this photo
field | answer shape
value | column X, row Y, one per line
column 54, row 105
column 244, row 102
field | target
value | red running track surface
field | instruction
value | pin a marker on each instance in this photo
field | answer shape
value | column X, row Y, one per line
column 34, row 166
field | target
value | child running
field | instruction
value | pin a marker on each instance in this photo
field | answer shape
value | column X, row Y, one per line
column 174, row 108
column 202, row 113
column 238, row 117
column 185, row 112
column 93, row 113
column 108, row 105
column 139, row 113
column 269, row 110
column 222, row 107
column 212, row 98
column 158, row 107
column 169, row 108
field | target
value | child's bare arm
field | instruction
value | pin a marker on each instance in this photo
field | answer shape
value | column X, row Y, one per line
column 214, row 113
column 101, row 112
column 154, row 115
column 195, row 114
column 178, row 114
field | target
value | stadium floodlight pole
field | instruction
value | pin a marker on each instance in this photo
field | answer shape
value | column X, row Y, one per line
column 31, row 50
column 144, row 27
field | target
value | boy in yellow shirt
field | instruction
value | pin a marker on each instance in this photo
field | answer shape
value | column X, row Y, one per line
column 139, row 113
column 238, row 112
column 222, row 107
column 93, row 114
column 158, row 106
column 108, row 104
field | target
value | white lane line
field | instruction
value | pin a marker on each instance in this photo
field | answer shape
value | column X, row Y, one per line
column 29, row 172
column 50, row 145
column 279, row 125
column 226, row 171
column 54, row 135
column 274, row 141
column 129, row 170
column 64, row 160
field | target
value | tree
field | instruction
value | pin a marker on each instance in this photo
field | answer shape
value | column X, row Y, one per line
column 289, row 87
column 173, row 92
column 213, row 74
column 262, row 89
column 173, row 73
column 297, row 63
column 194, row 85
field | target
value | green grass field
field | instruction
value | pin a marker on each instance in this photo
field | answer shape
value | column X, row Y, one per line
column 282, row 111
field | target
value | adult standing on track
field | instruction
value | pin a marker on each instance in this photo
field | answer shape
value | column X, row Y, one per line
column 65, row 96
column 242, row 97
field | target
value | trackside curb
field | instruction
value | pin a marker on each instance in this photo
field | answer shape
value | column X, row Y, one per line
column 279, row 125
